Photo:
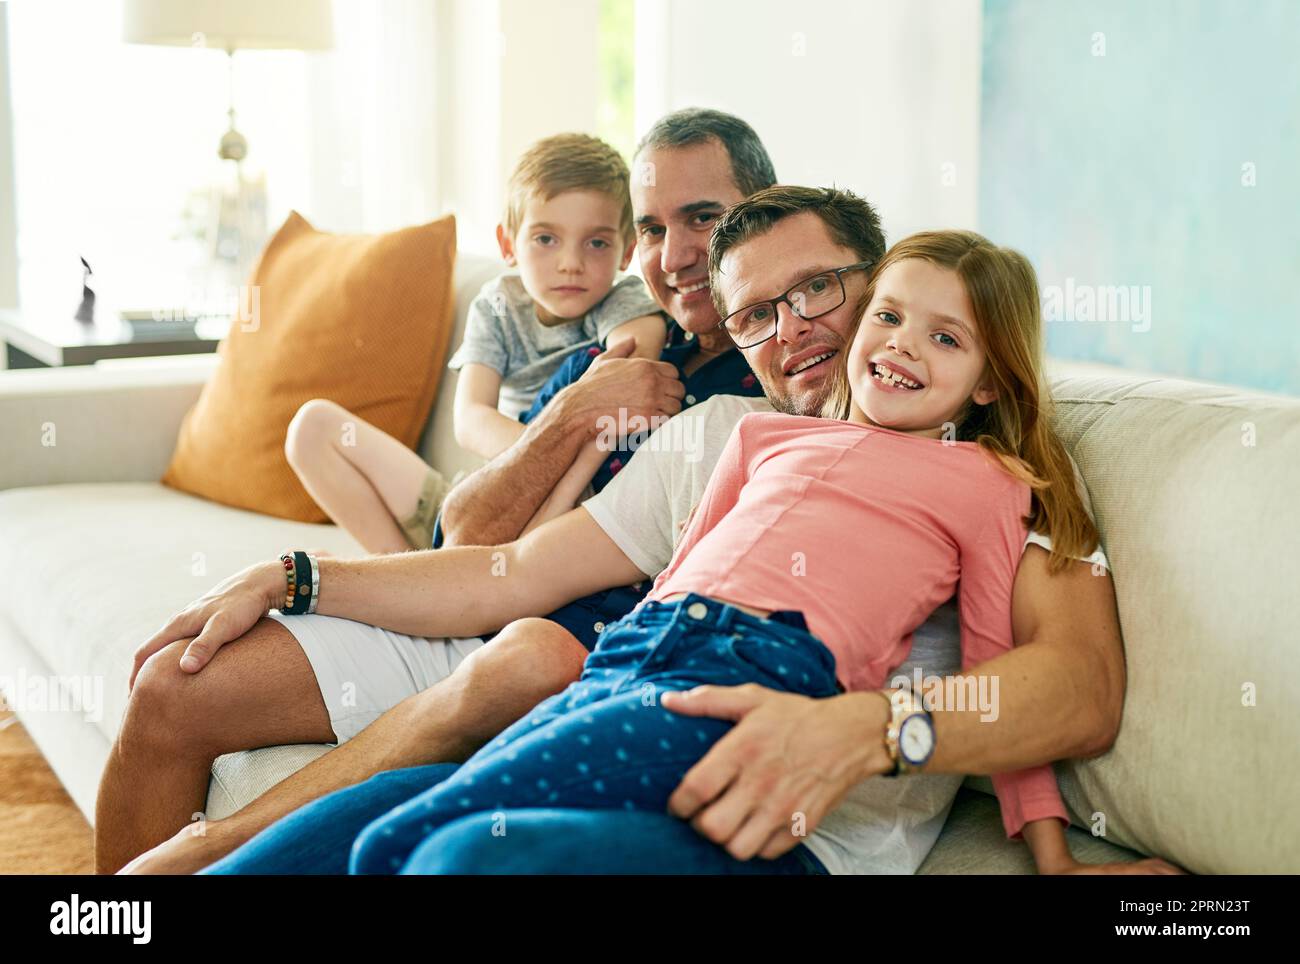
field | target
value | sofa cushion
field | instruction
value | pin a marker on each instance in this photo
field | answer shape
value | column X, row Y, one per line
column 1193, row 487
column 240, row 778
column 363, row 321
column 438, row 445
column 89, row 572
column 973, row 842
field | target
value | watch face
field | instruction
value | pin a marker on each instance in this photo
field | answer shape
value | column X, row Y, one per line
column 916, row 740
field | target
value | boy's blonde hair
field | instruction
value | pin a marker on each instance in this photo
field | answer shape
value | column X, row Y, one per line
column 568, row 162
column 1015, row 428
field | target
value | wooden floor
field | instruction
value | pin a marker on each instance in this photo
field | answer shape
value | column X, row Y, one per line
column 41, row 829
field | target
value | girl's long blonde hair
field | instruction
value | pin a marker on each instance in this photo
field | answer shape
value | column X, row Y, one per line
column 1015, row 428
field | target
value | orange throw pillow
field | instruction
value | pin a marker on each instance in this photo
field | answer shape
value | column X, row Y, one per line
column 364, row 321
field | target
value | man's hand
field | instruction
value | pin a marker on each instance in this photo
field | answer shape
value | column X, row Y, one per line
column 496, row 502
column 616, row 381
column 787, row 763
column 225, row 613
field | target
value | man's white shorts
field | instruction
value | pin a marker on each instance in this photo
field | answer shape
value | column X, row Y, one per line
column 363, row 670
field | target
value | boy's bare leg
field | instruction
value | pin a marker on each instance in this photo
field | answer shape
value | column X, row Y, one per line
column 257, row 691
column 363, row 478
column 448, row 722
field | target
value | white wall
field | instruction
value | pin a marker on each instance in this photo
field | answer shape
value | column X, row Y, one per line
column 877, row 96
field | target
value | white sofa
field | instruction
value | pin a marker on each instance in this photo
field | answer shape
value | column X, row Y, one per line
column 95, row 555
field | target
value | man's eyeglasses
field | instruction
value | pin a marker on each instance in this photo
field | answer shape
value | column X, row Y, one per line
column 810, row 298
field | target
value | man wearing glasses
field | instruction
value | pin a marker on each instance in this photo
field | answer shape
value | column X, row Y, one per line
column 790, row 284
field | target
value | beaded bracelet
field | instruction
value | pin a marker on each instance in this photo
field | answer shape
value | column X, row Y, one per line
column 302, row 583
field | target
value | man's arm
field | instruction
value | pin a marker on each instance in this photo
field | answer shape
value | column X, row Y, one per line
column 569, row 489
column 464, row 591
column 495, row 503
column 1061, row 692
column 472, row 590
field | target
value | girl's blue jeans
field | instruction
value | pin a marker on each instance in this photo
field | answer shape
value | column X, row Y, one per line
column 582, row 782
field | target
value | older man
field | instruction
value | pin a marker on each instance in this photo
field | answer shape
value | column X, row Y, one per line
column 1061, row 689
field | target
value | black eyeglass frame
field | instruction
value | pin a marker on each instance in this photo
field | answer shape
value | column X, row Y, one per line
column 784, row 298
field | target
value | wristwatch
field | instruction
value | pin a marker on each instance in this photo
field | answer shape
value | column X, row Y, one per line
column 909, row 734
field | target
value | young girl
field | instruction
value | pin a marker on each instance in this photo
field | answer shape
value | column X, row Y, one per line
column 819, row 546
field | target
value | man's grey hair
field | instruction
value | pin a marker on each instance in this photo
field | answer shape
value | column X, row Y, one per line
column 751, row 168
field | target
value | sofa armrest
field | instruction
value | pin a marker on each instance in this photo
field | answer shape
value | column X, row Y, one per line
column 101, row 423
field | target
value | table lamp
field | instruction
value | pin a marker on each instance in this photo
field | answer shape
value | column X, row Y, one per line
column 239, row 225
column 230, row 25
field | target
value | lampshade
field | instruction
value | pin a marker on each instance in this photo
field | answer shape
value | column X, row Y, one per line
column 230, row 24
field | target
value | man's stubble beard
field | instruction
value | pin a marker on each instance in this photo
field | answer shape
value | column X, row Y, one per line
column 807, row 404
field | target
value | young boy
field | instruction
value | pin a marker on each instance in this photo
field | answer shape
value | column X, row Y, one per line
column 568, row 229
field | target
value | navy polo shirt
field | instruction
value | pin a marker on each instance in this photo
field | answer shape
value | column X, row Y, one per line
column 728, row 374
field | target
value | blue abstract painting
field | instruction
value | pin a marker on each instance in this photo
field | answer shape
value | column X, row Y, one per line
column 1146, row 157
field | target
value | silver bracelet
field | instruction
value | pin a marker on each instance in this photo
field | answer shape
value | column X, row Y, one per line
column 315, row 582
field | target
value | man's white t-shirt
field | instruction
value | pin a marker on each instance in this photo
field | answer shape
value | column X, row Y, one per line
column 883, row 826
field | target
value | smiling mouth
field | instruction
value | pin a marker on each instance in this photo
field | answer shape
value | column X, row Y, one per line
column 890, row 377
column 692, row 289
column 808, row 363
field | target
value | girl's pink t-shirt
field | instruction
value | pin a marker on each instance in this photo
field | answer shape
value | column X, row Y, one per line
column 866, row 531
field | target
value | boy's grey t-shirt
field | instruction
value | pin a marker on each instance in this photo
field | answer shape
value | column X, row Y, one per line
column 882, row 826
column 503, row 332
